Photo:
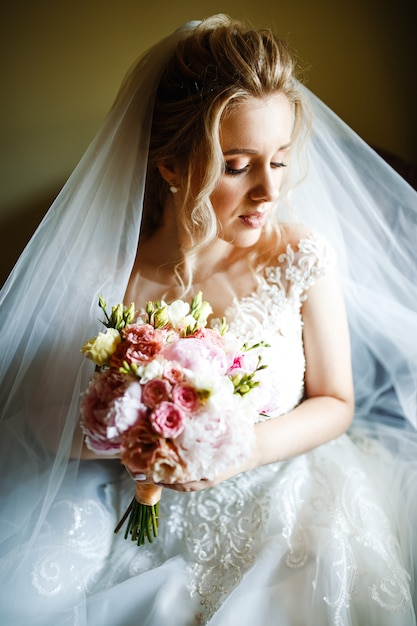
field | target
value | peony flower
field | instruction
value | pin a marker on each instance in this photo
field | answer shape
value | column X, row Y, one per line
column 139, row 446
column 217, row 439
column 101, row 348
column 186, row 397
column 231, row 343
column 127, row 409
column 173, row 399
column 196, row 355
column 155, row 391
column 110, row 405
column 237, row 363
column 167, row 420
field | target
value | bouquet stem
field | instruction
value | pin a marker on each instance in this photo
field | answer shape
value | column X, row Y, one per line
column 143, row 514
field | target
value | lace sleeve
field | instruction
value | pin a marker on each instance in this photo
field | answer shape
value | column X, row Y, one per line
column 305, row 262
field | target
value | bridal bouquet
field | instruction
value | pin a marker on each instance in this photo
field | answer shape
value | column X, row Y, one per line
column 170, row 397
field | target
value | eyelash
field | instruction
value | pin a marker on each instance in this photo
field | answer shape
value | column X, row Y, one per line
column 232, row 172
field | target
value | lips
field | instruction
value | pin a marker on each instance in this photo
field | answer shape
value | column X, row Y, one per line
column 253, row 220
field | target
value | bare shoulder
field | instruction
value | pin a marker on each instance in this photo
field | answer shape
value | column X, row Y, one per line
column 292, row 240
column 293, row 233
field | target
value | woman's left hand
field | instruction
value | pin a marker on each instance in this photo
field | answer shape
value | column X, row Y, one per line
column 204, row 483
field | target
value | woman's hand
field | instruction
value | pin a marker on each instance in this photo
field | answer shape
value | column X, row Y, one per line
column 195, row 485
column 205, row 483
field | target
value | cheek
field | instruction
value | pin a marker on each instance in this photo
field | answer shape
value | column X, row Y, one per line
column 225, row 199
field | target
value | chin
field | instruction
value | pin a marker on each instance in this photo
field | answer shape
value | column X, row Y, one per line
column 248, row 241
column 243, row 240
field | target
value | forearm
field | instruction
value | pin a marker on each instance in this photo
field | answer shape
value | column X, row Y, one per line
column 314, row 422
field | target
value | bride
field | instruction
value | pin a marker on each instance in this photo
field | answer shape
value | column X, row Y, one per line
column 216, row 171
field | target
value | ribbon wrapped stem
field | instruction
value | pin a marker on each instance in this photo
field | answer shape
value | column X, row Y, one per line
column 143, row 514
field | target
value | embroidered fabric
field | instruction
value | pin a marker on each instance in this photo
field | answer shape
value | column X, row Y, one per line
column 304, row 555
column 314, row 504
column 318, row 527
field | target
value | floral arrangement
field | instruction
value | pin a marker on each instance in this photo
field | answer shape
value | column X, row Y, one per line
column 170, row 397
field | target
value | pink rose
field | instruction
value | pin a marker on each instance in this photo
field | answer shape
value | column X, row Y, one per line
column 167, row 420
column 141, row 342
column 173, row 372
column 155, row 391
column 208, row 334
column 111, row 403
column 139, row 447
column 140, row 334
column 186, row 397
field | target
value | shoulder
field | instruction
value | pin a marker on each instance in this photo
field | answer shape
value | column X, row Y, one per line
column 305, row 256
column 303, row 244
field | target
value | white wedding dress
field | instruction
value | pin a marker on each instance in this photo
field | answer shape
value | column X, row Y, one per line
column 322, row 539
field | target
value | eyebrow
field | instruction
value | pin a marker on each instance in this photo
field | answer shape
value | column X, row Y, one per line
column 239, row 151
column 249, row 151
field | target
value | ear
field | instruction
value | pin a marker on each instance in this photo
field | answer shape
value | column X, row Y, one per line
column 168, row 171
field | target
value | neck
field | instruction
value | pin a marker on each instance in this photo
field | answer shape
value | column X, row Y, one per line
column 165, row 250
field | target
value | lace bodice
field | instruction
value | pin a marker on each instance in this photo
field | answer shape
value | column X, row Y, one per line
column 313, row 527
column 272, row 313
column 220, row 527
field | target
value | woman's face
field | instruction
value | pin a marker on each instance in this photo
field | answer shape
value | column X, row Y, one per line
column 255, row 138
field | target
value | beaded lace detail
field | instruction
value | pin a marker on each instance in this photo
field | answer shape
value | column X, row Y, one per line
column 222, row 526
column 219, row 528
column 294, row 508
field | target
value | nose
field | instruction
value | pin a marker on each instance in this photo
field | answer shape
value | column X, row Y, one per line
column 266, row 186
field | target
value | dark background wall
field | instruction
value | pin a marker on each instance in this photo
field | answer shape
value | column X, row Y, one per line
column 62, row 62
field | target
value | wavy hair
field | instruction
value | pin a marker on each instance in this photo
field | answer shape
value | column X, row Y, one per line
column 215, row 66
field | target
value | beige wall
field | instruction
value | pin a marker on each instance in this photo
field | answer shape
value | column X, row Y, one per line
column 62, row 63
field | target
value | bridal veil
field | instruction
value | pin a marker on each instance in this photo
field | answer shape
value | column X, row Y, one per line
column 86, row 246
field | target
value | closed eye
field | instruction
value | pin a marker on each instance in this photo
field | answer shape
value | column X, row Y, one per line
column 234, row 172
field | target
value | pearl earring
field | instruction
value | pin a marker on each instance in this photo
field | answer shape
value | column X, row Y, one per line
column 173, row 188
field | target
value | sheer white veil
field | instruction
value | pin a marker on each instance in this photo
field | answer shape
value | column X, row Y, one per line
column 369, row 213
column 87, row 243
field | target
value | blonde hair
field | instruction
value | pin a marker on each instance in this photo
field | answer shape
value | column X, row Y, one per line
column 217, row 65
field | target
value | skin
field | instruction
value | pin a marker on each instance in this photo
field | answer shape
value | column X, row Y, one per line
column 255, row 137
